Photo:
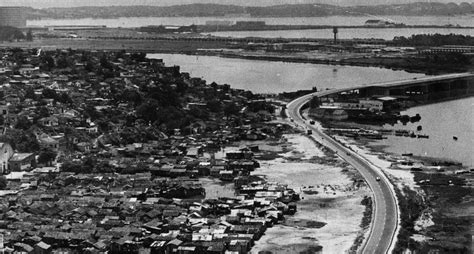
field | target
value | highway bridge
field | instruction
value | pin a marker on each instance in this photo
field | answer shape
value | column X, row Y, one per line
column 385, row 217
column 423, row 90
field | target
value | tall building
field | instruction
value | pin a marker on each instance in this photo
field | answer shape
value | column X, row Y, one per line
column 12, row 16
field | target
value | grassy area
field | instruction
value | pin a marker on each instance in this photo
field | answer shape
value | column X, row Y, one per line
column 451, row 231
column 411, row 206
column 365, row 223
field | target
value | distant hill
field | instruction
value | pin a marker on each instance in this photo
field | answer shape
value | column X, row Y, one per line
column 193, row 10
column 216, row 10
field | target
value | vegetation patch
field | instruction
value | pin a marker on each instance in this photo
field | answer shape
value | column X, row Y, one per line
column 304, row 223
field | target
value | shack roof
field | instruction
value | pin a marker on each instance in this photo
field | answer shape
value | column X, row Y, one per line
column 20, row 156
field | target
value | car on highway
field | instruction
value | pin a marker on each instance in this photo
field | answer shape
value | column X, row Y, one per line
column 377, row 178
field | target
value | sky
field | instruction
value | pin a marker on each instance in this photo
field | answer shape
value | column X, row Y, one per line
column 75, row 3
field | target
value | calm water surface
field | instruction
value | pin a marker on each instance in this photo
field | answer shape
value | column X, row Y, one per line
column 465, row 20
column 276, row 77
column 440, row 121
column 326, row 33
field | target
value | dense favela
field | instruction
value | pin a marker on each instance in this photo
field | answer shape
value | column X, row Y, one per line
column 236, row 127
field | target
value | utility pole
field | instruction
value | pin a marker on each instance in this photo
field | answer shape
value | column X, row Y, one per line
column 335, row 31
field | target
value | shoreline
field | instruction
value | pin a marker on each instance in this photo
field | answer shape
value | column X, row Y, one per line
column 189, row 46
column 388, row 135
column 424, row 203
column 213, row 29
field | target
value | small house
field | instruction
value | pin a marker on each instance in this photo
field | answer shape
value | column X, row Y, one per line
column 84, row 147
column 49, row 121
column 22, row 161
column 42, row 248
column 172, row 246
column 49, row 142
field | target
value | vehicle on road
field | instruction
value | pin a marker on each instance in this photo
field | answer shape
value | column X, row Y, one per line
column 311, row 122
column 309, row 132
column 377, row 178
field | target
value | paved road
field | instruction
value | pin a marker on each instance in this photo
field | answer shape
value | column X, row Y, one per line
column 385, row 219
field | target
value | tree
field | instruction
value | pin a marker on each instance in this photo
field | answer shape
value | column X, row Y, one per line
column 21, row 140
column 130, row 95
column 23, row 123
column 105, row 63
column 314, row 102
column 3, row 182
column 231, row 109
column 29, row 36
column 148, row 110
column 139, row 57
column 10, row 33
column 50, row 93
column 46, row 156
column 42, row 111
column 104, row 126
column 64, row 98
column 63, row 62
column 47, row 63
column 92, row 112
column 214, row 105
column 75, row 167
column 30, row 93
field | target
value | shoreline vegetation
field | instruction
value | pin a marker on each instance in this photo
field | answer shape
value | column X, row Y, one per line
column 433, row 213
column 244, row 48
column 184, row 47
column 427, row 223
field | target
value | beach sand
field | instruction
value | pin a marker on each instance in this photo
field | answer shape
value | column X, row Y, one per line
column 337, row 202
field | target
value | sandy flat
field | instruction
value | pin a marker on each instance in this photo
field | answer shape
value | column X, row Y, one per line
column 333, row 199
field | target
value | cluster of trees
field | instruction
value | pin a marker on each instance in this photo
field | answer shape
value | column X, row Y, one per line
column 24, row 141
column 451, row 58
column 296, row 94
column 8, row 33
column 47, row 156
column 92, row 164
column 49, row 94
column 87, row 165
column 433, row 40
column 3, row 182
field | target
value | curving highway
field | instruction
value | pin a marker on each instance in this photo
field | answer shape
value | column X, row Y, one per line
column 385, row 215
